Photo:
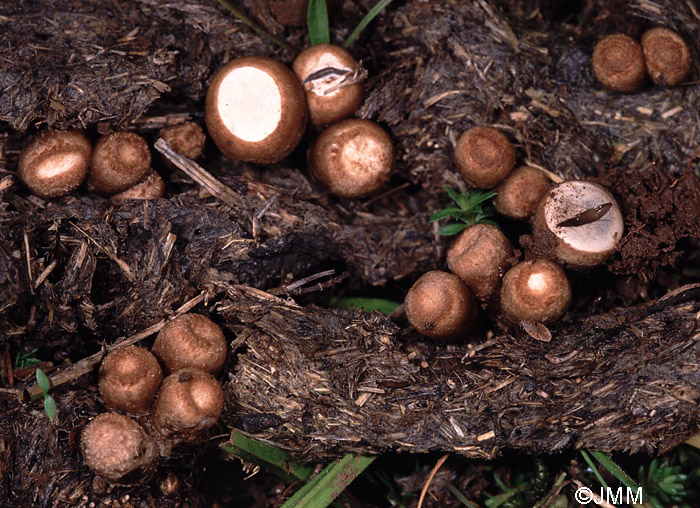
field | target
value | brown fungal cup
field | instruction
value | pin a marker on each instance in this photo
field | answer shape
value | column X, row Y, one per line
column 583, row 219
column 352, row 158
column 190, row 400
column 480, row 256
column 484, row 157
column 331, row 79
column 114, row 446
column 186, row 138
column 518, row 195
column 667, row 56
column 256, row 110
column 151, row 187
column 191, row 340
column 129, row 379
column 55, row 163
column 440, row 306
column 119, row 160
column 535, row 291
column 618, row 63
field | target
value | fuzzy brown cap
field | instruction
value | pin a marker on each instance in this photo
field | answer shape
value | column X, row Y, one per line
column 440, row 306
column 191, row 340
column 484, row 157
column 190, row 400
column 115, row 446
column 535, row 290
column 332, row 96
column 256, row 110
column 129, row 379
column 119, row 160
column 517, row 197
column 480, row 256
column 186, row 138
column 667, row 56
column 618, row 63
column 352, row 158
column 55, row 163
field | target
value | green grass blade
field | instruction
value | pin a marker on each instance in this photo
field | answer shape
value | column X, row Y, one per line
column 593, row 468
column 317, row 22
column 367, row 304
column 373, row 12
column 329, row 483
column 249, row 23
column 456, row 493
column 615, row 470
column 273, row 459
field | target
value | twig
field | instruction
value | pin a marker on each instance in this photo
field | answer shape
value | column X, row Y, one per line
column 198, row 174
column 437, row 467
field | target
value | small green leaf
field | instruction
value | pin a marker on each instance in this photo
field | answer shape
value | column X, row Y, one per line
column 453, row 194
column 373, row 12
column 317, row 21
column 367, row 304
column 478, row 197
column 43, row 381
column 444, row 213
column 49, row 406
column 452, row 229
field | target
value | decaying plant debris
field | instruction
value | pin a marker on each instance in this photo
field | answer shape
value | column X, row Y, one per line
column 79, row 273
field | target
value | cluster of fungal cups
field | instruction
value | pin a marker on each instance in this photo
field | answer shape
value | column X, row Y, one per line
column 56, row 163
column 577, row 223
column 257, row 110
column 622, row 64
column 190, row 349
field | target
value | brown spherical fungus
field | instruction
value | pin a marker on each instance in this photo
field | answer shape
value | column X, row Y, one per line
column 480, row 256
column 115, row 446
column 129, row 379
column 484, row 157
column 331, row 79
column 618, row 63
column 352, row 158
column 191, row 340
column 584, row 220
column 186, row 138
column 151, row 187
column 667, row 56
column 189, row 401
column 119, row 160
column 535, row 290
column 440, row 306
column 517, row 197
column 256, row 110
column 55, row 163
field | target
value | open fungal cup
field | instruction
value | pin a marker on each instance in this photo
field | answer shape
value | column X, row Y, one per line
column 129, row 379
column 440, row 306
column 667, row 56
column 55, row 163
column 332, row 80
column 256, row 110
column 535, row 291
column 191, row 340
column 352, row 158
column 585, row 221
column 119, row 160
column 618, row 63
column 484, row 157
column 114, row 446
column 189, row 401
column 480, row 256
column 518, row 195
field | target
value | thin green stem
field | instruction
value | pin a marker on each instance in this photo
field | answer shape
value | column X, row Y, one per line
column 593, row 468
column 459, row 496
column 373, row 12
column 247, row 21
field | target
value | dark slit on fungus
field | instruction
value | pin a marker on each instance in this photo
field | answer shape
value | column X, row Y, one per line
column 586, row 217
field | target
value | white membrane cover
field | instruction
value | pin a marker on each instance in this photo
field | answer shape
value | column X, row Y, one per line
column 250, row 103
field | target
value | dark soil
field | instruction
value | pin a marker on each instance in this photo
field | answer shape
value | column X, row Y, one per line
column 80, row 274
